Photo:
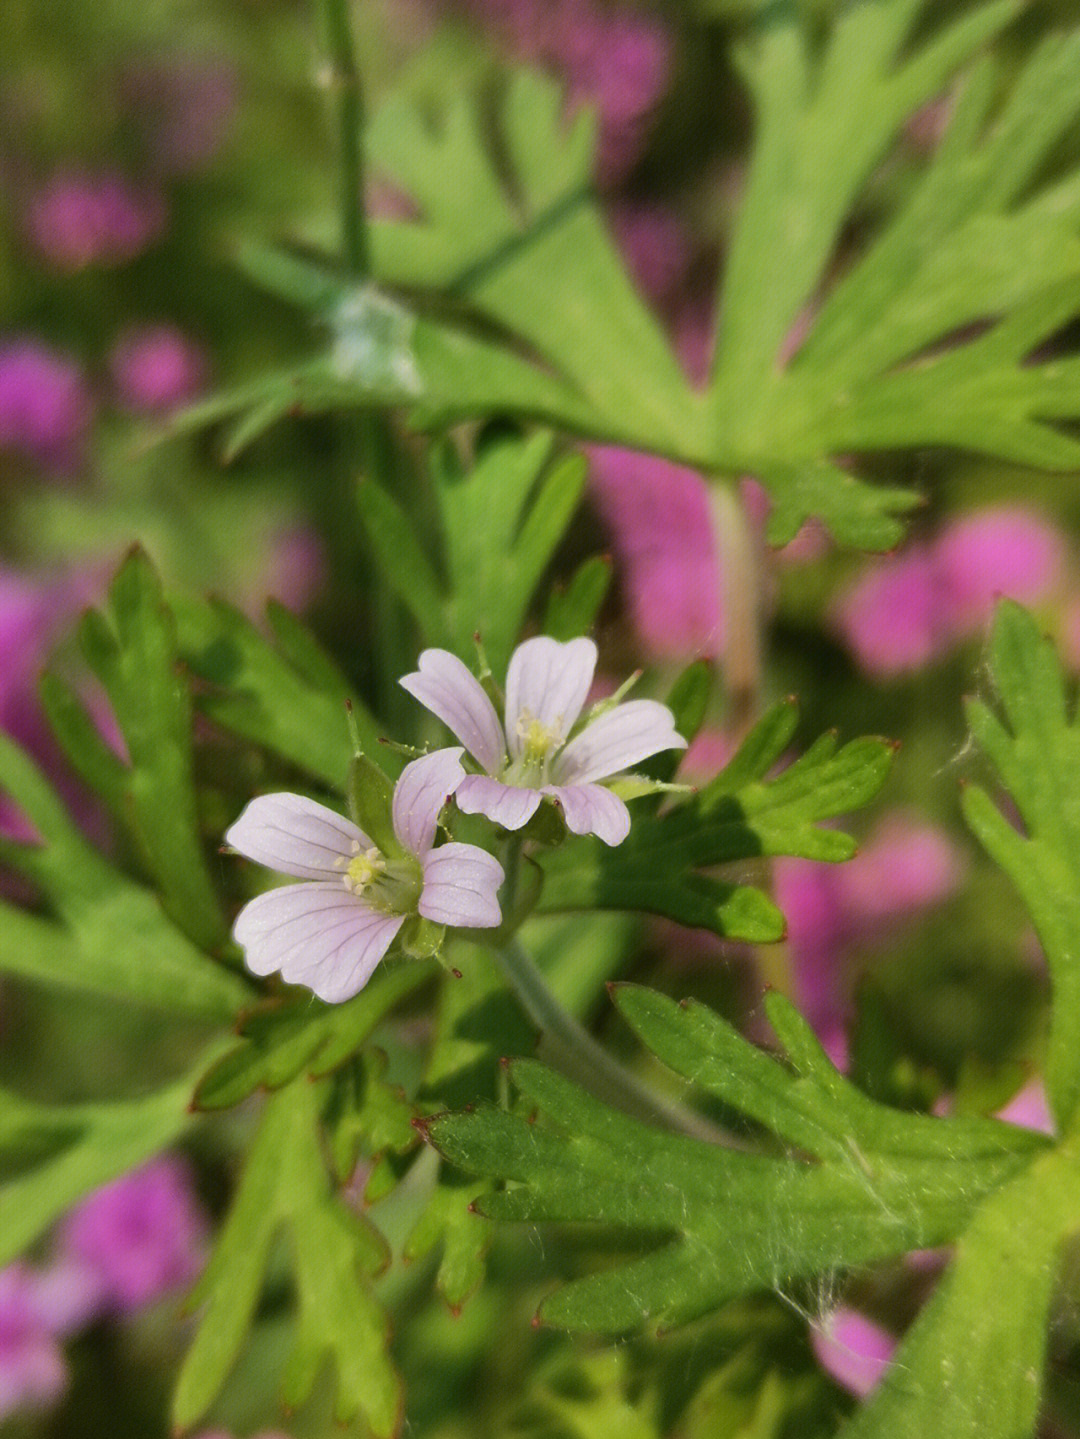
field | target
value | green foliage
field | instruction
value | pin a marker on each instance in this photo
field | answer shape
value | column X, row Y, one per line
column 303, row 1036
column 1036, row 751
column 132, row 651
column 334, row 1254
column 726, row 1222
column 739, row 815
column 288, row 697
column 500, row 520
column 109, row 935
column 51, row 1157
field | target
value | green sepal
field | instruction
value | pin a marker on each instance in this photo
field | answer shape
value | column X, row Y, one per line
column 633, row 786
column 370, row 793
column 422, row 938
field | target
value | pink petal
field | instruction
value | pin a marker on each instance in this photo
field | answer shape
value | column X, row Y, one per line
column 505, row 804
column 318, row 935
column 419, row 795
column 549, row 680
column 296, row 836
column 616, row 740
column 449, row 689
column 591, row 809
column 461, row 887
column 853, row 1350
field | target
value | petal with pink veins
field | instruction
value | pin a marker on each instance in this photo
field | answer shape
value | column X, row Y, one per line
column 505, row 804
column 461, row 887
column 449, row 689
column 296, row 836
column 614, row 741
column 318, row 935
column 591, row 809
column 549, row 681
column 420, row 794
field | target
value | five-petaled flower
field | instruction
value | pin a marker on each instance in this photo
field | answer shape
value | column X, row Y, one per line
column 330, row 932
column 537, row 754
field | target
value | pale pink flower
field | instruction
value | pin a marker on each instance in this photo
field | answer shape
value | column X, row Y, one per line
column 330, row 932
column 852, row 1350
column 536, row 754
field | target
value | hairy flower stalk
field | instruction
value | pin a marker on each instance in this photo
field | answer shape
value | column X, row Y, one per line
column 331, row 931
column 540, row 752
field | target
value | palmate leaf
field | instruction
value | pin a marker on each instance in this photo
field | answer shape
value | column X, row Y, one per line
column 52, row 1156
column 334, row 1253
column 110, row 935
column 132, row 650
column 288, row 697
column 1036, row 751
column 727, row 1222
column 739, row 816
column 280, row 1041
column 501, row 520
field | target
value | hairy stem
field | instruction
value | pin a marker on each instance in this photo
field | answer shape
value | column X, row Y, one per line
column 573, row 1051
column 341, row 78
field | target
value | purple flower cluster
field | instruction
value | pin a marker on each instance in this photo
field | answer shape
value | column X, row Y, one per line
column 618, row 61
column 906, row 611
column 45, row 405
column 128, row 1244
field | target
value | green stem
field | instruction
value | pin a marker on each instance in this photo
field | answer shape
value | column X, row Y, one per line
column 573, row 1051
column 342, row 81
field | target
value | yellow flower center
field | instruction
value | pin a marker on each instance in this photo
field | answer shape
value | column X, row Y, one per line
column 538, row 739
column 362, row 870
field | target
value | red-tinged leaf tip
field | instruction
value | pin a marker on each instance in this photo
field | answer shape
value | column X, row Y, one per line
column 895, row 744
column 684, row 1004
column 476, row 637
column 471, row 1207
column 457, row 974
column 536, row 1321
column 348, row 705
column 455, row 1310
column 420, row 1124
column 504, row 1061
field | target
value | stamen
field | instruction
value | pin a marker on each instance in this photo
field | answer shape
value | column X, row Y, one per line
column 363, row 870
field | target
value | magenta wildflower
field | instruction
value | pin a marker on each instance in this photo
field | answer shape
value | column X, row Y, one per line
column 662, row 530
column 33, row 1374
column 1009, row 551
column 45, row 405
column 853, row 1350
column 330, row 932
column 156, row 367
column 536, row 754
column 142, row 1235
column 894, row 617
column 80, row 218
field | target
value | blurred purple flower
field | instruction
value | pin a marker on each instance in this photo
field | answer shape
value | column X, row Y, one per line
column 183, row 107
column 533, row 756
column 662, row 530
column 156, row 367
column 330, row 932
column 1009, row 551
column 142, row 1235
column 45, row 405
column 80, row 218
column 656, row 246
column 852, row 1350
column 33, row 1374
column 894, row 617
column 904, row 867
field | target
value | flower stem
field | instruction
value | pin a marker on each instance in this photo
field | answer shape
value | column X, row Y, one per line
column 346, row 94
column 573, row 1051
